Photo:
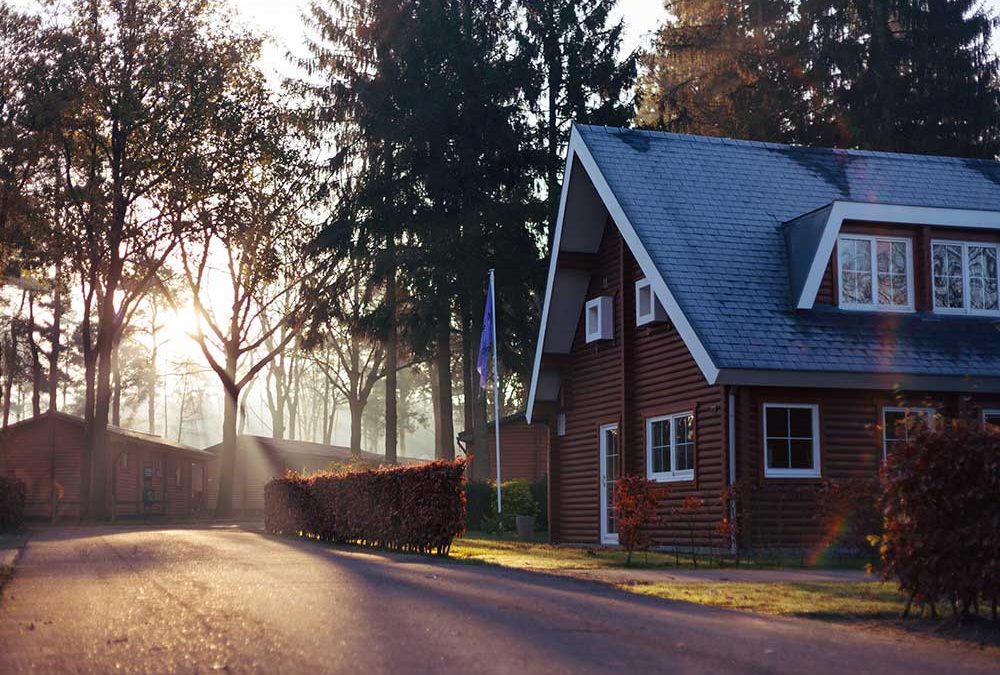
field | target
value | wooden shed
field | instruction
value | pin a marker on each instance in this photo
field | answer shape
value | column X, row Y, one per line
column 260, row 458
column 148, row 475
column 524, row 450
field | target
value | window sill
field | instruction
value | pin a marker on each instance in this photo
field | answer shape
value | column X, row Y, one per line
column 671, row 478
column 791, row 473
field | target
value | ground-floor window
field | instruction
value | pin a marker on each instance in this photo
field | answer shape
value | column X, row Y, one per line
column 898, row 423
column 992, row 417
column 670, row 447
column 791, row 440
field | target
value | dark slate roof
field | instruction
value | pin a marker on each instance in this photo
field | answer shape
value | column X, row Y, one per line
column 709, row 211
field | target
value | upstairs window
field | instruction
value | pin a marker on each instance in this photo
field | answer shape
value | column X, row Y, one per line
column 670, row 447
column 647, row 308
column 965, row 277
column 875, row 273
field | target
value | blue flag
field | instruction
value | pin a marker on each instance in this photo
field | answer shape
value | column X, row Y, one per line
column 483, row 364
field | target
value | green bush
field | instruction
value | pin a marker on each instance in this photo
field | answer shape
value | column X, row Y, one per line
column 517, row 501
column 540, row 491
column 478, row 503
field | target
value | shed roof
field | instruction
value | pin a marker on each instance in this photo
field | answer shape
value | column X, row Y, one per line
column 293, row 447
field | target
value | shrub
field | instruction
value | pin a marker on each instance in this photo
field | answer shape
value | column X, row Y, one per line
column 635, row 508
column 540, row 492
column 517, row 501
column 405, row 508
column 477, row 503
column 12, row 498
column 941, row 509
column 849, row 514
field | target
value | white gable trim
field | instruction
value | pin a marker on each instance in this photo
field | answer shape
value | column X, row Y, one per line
column 578, row 149
column 884, row 213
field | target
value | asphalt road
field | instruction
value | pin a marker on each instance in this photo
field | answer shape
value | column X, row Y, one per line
column 229, row 600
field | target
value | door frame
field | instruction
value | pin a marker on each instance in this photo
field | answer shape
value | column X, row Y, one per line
column 610, row 538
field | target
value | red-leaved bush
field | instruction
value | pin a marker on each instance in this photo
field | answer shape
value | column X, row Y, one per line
column 635, row 505
column 12, row 499
column 941, row 512
column 404, row 508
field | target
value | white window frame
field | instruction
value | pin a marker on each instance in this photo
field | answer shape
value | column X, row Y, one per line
column 989, row 412
column 561, row 424
column 604, row 328
column 656, row 312
column 907, row 410
column 875, row 305
column 814, row 472
column 966, row 296
column 673, row 475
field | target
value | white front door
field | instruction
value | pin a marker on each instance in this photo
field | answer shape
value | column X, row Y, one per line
column 609, row 481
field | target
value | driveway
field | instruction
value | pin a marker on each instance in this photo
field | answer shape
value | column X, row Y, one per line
column 230, row 600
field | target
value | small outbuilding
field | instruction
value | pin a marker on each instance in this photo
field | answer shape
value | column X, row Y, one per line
column 524, row 450
column 148, row 475
column 260, row 458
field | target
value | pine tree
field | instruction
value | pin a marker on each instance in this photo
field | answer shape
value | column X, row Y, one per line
column 579, row 75
column 902, row 75
column 723, row 68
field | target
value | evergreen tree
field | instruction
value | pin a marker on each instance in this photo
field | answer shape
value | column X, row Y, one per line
column 579, row 76
column 724, row 68
column 901, row 75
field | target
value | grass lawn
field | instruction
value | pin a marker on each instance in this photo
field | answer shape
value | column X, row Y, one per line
column 508, row 551
column 823, row 600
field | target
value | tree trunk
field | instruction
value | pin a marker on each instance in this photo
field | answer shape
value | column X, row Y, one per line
column 102, row 409
column 391, row 360
column 55, row 346
column 446, row 437
column 116, row 376
column 328, row 416
column 436, row 408
column 357, row 410
column 227, row 463
column 37, row 379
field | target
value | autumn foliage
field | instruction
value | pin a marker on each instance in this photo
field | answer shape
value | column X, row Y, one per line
column 405, row 508
column 12, row 499
column 941, row 508
column 635, row 505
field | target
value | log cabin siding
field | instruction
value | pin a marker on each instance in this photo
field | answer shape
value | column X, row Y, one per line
column 524, row 451
column 645, row 371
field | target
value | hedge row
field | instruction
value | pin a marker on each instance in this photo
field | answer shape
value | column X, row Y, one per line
column 12, row 498
column 941, row 508
column 407, row 508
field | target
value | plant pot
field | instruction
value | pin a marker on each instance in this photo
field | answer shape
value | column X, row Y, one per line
column 525, row 527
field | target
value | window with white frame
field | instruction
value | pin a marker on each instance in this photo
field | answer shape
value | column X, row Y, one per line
column 991, row 417
column 791, row 440
column 670, row 447
column 599, row 318
column 561, row 424
column 899, row 423
column 965, row 277
column 875, row 272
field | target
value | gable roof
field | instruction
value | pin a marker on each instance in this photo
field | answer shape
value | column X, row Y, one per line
column 705, row 218
column 291, row 447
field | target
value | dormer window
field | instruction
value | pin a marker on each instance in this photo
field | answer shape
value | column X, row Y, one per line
column 599, row 316
column 965, row 277
column 875, row 273
column 647, row 307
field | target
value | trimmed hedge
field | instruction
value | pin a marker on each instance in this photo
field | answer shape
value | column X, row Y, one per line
column 13, row 495
column 403, row 508
column 941, row 509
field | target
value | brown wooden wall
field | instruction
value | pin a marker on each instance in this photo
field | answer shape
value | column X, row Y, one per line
column 524, row 451
column 782, row 511
column 645, row 371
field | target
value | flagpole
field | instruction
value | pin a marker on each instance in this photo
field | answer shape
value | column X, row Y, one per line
column 496, row 386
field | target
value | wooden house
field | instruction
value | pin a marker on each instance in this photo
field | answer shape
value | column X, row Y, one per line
column 524, row 450
column 723, row 313
column 260, row 458
column 147, row 475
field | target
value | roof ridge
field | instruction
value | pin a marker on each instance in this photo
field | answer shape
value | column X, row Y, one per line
column 772, row 145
